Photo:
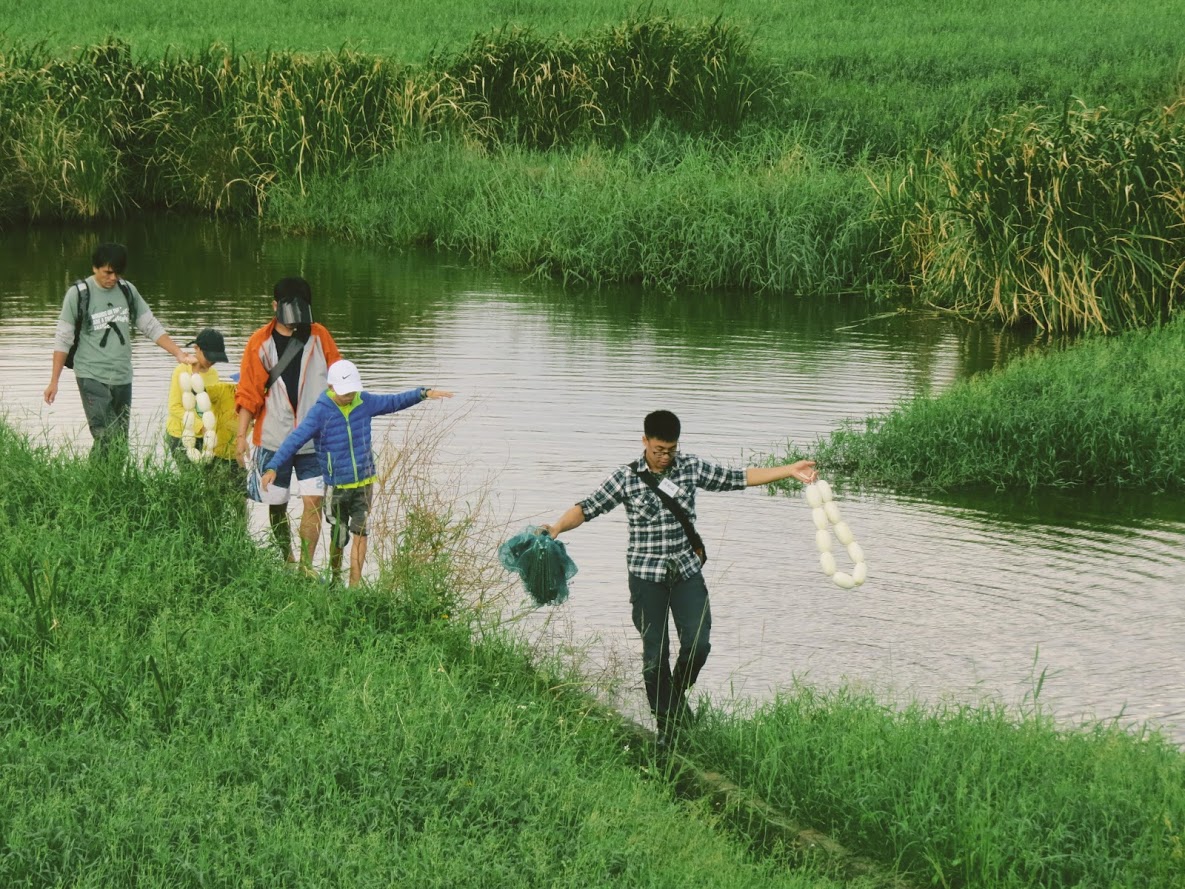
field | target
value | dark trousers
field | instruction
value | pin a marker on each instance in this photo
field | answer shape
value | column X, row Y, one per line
column 687, row 601
column 108, row 412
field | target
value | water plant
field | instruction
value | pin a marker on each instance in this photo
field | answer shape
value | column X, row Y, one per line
column 1067, row 220
column 1106, row 412
column 212, row 130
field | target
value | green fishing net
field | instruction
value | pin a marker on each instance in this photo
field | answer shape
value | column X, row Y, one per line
column 543, row 564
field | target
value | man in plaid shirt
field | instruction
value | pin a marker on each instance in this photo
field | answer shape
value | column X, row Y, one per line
column 665, row 576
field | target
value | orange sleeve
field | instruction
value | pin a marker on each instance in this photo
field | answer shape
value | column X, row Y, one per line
column 252, row 376
column 331, row 352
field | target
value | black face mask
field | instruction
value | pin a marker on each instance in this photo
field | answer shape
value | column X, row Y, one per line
column 295, row 313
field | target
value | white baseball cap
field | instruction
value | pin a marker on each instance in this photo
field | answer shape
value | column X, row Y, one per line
column 344, row 378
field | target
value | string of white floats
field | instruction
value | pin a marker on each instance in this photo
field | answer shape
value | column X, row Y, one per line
column 825, row 512
column 196, row 400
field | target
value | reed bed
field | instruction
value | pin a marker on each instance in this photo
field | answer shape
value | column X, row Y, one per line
column 880, row 78
column 1108, row 412
column 963, row 795
column 1069, row 221
column 539, row 92
column 180, row 709
column 103, row 133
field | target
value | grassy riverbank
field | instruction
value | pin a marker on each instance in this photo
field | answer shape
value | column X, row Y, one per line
column 1108, row 412
column 965, row 796
column 926, row 154
column 179, row 708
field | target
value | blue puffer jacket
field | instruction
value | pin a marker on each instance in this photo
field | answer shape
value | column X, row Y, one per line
column 342, row 435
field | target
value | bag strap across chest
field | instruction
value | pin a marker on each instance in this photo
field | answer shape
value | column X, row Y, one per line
column 697, row 543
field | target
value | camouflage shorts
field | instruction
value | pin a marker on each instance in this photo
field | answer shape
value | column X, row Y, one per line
column 348, row 510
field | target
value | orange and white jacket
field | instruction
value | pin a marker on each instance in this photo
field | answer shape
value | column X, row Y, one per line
column 274, row 417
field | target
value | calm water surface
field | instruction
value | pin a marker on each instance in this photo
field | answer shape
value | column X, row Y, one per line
column 967, row 597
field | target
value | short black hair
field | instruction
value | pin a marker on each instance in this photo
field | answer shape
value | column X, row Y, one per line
column 112, row 254
column 662, row 425
column 289, row 289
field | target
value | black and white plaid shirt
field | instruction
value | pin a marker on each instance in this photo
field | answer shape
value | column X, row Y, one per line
column 658, row 549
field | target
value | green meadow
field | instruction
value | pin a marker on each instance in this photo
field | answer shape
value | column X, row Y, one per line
column 180, row 709
column 1019, row 163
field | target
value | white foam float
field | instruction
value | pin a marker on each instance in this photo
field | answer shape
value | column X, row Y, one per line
column 825, row 512
column 195, row 399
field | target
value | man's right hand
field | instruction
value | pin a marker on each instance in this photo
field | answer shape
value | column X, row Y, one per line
column 51, row 392
column 267, row 478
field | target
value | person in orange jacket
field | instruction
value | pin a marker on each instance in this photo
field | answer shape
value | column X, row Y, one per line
column 283, row 373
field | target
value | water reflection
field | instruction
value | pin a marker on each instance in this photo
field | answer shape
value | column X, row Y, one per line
column 964, row 591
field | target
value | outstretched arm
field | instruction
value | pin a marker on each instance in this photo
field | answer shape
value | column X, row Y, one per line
column 573, row 517
column 389, row 404
column 803, row 470
column 166, row 342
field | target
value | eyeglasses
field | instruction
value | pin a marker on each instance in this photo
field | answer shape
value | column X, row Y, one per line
column 665, row 452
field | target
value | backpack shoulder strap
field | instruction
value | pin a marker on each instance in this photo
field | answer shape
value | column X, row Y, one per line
column 84, row 295
column 127, row 293
column 84, row 299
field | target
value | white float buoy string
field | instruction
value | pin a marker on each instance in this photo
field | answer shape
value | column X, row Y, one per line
column 195, row 399
column 825, row 512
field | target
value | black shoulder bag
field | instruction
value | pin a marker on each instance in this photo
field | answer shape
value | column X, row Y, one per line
column 697, row 542
column 294, row 348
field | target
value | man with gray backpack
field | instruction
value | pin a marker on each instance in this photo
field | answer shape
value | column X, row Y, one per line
column 94, row 338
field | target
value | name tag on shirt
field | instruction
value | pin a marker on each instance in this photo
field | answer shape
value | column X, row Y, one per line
column 669, row 488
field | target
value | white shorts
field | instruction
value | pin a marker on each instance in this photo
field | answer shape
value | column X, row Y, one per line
column 300, row 478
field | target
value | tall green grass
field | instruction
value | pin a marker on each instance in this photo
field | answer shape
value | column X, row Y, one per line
column 104, row 133
column 523, row 89
column 881, row 77
column 962, row 795
column 1107, row 412
column 768, row 214
column 885, row 152
column 1069, row 220
column 180, row 709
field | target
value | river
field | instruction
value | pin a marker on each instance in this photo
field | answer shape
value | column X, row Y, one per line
column 968, row 597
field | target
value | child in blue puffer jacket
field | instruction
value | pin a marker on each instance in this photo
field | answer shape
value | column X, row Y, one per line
column 340, row 420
